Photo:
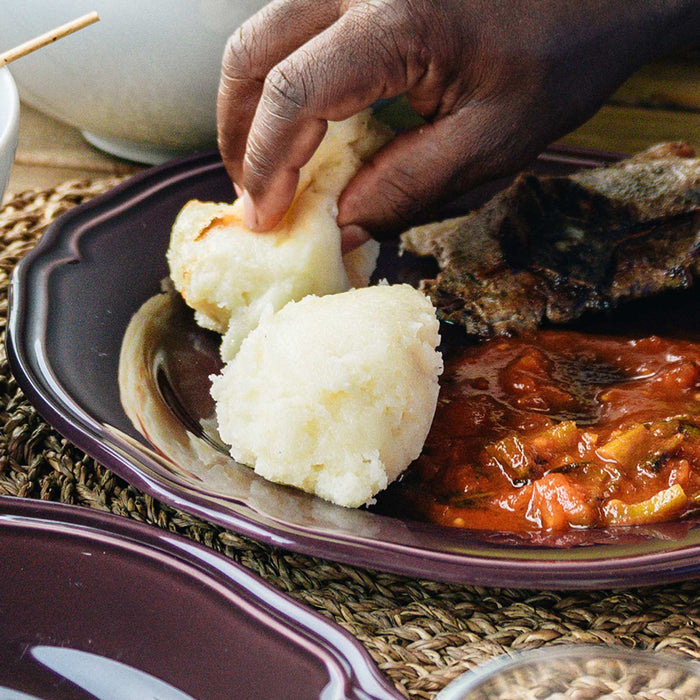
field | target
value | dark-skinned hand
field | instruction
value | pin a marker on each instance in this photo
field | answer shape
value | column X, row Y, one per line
column 495, row 81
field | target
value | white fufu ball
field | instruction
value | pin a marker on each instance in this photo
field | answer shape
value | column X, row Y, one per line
column 336, row 394
column 231, row 276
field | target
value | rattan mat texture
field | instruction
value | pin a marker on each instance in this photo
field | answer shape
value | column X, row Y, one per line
column 421, row 633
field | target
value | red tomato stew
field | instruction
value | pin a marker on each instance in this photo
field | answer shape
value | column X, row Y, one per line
column 562, row 430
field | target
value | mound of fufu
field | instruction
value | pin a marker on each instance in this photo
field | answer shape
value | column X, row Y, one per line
column 334, row 394
column 231, row 276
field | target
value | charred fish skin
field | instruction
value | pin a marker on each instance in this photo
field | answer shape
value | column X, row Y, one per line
column 550, row 248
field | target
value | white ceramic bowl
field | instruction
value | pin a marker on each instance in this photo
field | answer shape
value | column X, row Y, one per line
column 141, row 83
column 9, row 126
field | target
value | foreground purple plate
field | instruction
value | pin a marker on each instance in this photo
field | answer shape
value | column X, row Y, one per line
column 97, row 606
column 72, row 299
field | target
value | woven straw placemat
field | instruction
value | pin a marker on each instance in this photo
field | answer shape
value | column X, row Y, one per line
column 421, row 633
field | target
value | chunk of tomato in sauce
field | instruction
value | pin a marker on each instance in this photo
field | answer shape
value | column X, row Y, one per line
column 561, row 430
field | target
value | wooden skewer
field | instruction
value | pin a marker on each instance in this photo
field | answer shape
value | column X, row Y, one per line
column 48, row 38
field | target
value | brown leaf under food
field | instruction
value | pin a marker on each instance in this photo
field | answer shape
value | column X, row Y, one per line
column 552, row 248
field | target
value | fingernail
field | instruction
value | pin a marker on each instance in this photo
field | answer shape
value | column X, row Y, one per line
column 239, row 190
column 352, row 236
column 250, row 216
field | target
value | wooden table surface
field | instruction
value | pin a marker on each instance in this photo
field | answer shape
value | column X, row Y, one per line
column 659, row 103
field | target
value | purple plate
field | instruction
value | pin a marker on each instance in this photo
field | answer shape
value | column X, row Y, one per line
column 98, row 606
column 71, row 300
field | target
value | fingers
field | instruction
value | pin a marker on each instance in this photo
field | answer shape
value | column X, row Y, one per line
column 300, row 63
column 258, row 45
column 431, row 165
column 331, row 77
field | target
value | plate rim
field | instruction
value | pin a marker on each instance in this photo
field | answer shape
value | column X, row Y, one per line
column 348, row 664
column 77, row 425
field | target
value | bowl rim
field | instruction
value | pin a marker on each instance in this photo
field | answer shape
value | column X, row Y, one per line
column 479, row 677
column 9, row 120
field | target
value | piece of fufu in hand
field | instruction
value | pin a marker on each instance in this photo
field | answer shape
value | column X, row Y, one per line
column 231, row 276
column 336, row 394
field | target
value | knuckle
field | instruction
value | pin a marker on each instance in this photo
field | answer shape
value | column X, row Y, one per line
column 241, row 54
column 287, row 90
column 237, row 55
column 400, row 199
